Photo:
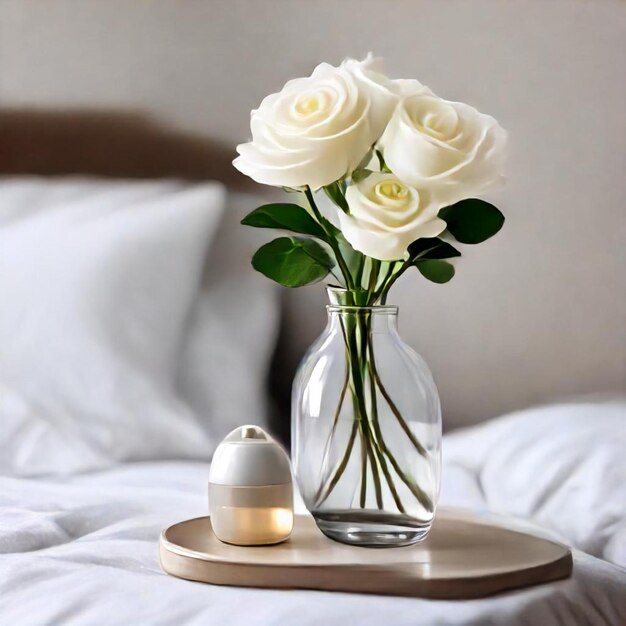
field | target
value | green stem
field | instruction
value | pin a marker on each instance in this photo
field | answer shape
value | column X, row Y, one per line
column 359, row 271
column 394, row 409
column 363, row 494
column 333, row 429
column 386, row 274
column 364, row 327
column 350, row 360
column 414, row 488
column 341, row 468
column 357, row 355
column 373, row 462
column 337, row 278
column 386, row 286
column 379, row 443
column 361, row 365
column 373, row 279
column 386, row 277
column 389, row 479
column 332, row 242
column 383, row 290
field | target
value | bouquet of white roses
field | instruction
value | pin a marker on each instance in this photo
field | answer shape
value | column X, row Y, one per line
column 402, row 167
column 400, row 164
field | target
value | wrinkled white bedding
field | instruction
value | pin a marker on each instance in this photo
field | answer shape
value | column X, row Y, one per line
column 562, row 466
column 83, row 549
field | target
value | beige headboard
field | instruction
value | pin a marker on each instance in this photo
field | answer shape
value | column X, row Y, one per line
column 161, row 88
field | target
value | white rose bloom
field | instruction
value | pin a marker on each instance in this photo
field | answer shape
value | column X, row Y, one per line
column 386, row 216
column 317, row 129
column 448, row 148
column 383, row 92
column 410, row 87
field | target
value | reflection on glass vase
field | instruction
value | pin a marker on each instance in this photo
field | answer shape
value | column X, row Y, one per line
column 366, row 430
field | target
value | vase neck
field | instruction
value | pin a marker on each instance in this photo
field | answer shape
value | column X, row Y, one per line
column 378, row 319
column 345, row 309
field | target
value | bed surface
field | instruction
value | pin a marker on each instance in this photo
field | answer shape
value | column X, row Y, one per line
column 78, row 548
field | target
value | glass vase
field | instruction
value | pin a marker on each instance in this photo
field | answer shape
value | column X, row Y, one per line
column 366, row 430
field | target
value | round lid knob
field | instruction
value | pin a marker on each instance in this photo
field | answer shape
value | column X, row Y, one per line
column 247, row 432
column 248, row 456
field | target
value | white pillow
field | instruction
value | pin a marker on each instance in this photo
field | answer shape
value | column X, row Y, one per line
column 97, row 282
column 233, row 329
column 562, row 466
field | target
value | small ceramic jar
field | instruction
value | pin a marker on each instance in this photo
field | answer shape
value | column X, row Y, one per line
column 250, row 489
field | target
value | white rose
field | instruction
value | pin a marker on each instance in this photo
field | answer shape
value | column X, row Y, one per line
column 448, row 148
column 410, row 87
column 387, row 215
column 317, row 129
column 383, row 92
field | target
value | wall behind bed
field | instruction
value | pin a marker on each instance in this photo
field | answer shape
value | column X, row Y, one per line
column 536, row 314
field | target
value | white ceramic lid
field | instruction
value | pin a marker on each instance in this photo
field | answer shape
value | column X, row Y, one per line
column 248, row 456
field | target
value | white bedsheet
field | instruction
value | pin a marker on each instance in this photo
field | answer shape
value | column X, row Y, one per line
column 83, row 550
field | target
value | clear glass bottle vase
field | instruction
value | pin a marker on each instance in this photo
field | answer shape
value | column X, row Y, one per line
column 366, row 431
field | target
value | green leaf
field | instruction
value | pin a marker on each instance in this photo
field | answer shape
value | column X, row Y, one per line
column 360, row 174
column 292, row 261
column 431, row 248
column 352, row 257
column 381, row 162
column 435, row 270
column 472, row 220
column 335, row 192
column 365, row 161
column 285, row 216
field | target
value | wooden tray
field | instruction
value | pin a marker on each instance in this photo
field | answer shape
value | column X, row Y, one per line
column 463, row 557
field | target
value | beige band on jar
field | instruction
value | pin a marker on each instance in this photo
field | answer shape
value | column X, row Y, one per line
column 256, row 515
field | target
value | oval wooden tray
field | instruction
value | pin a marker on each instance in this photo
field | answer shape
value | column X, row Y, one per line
column 463, row 557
